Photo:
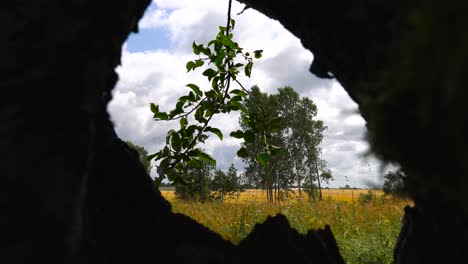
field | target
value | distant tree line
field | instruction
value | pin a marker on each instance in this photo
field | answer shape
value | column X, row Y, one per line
column 204, row 182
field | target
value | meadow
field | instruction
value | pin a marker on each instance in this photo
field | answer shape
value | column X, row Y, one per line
column 365, row 223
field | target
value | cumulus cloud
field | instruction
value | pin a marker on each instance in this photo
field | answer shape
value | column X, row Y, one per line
column 159, row 75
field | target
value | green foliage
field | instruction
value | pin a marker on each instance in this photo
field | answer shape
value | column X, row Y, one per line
column 287, row 122
column 395, row 183
column 196, row 184
column 366, row 198
column 142, row 156
column 225, row 61
column 225, row 184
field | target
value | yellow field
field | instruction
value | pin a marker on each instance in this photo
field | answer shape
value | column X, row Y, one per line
column 259, row 196
column 366, row 230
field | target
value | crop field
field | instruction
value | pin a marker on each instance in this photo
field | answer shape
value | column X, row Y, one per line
column 365, row 224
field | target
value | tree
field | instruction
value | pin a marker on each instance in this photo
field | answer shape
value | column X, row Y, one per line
column 287, row 102
column 294, row 131
column 195, row 183
column 313, row 183
column 225, row 184
column 261, row 127
column 395, row 183
column 142, row 156
column 303, row 135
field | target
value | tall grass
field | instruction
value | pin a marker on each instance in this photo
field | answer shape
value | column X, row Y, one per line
column 365, row 229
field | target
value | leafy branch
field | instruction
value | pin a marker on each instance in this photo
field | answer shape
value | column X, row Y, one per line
column 226, row 60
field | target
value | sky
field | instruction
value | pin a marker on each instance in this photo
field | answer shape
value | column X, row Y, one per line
column 153, row 70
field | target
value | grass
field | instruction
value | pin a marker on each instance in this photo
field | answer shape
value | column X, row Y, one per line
column 365, row 228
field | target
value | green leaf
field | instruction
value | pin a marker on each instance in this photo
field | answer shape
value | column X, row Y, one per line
column 180, row 105
column 192, row 97
column 219, row 59
column 175, row 141
column 232, row 107
column 199, row 115
column 194, row 163
column 210, row 73
column 168, row 137
column 153, row 156
column 154, row 108
column 258, row 54
column 196, row 48
column 248, row 69
column 205, row 157
column 166, row 150
column 190, row 130
column 263, row 159
column 210, row 94
column 249, row 136
column 195, row 88
column 240, row 106
column 198, row 63
column 226, row 41
column 215, row 131
column 202, row 138
column 183, row 122
column 161, row 115
column 206, row 51
column 233, row 24
column 238, row 92
column 243, row 153
column 190, row 65
column 211, row 42
column 208, row 113
column 236, row 98
column 175, row 112
column 215, row 81
column 237, row 134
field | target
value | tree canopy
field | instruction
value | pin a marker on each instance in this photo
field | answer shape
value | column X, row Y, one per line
column 290, row 126
column 142, row 155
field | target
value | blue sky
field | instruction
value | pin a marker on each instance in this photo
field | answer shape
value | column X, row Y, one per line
column 149, row 39
column 153, row 70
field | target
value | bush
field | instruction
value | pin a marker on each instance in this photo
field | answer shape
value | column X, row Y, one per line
column 225, row 184
column 196, row 184
column 395, row 183
column 366, row 198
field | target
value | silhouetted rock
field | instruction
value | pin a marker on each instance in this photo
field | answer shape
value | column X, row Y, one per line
column 274, row 241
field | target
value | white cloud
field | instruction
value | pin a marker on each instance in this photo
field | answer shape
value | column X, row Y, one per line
column 154, row 19
column 160, row 76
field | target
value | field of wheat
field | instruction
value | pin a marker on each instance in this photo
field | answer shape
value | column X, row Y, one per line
column 365, row 226
column 256, row 195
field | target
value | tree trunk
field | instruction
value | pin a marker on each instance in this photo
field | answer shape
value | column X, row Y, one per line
column 298, row 181
column 318, row 178
column 311, row 178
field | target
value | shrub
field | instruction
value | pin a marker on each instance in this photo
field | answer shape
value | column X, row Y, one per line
column 366, row 198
